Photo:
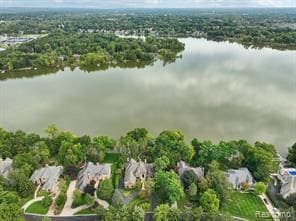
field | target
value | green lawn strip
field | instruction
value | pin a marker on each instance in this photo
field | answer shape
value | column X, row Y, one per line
column 79, row 202
column 113, row 158
column 37, row 208
column 85, row 212
column 63, row 191
column 245, row 205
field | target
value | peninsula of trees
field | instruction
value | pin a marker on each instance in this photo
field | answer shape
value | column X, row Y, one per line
column 89, row 51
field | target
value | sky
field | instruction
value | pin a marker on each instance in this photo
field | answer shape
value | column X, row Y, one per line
column 147, row 3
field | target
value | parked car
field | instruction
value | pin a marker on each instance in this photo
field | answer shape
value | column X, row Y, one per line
column 265, row 201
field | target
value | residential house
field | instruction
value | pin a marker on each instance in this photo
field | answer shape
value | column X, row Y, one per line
column 287, row 176
column 47, row 177
column 238, row 177
column 93, row 173
column 137, row 170
column 5, row 167
column 76, row 56
column 182, row 167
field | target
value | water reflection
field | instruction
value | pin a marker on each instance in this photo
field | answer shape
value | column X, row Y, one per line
column 217, row 91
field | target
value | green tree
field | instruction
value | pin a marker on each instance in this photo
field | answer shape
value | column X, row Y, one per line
column 209, row 201
column 292, row 155
column 168, row 187
column 217, row 181
column 260, row 188
column 137, row 214
column 192, row 190
column 10, row 212
column 161, row 212
column 23, row 185
column 105, row 190
column 173, row 145
column 161, row 163
column 70, row 153
column 188, row 177
column 89, row 199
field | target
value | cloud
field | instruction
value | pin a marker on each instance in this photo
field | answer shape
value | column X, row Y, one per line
column 147, row 3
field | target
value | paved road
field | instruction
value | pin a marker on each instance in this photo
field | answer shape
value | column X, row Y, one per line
column 268, row 206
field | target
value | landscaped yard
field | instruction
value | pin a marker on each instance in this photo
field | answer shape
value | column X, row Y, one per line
column 114, row 159
column 37, row 208
column 245, row 205
column 139, row 202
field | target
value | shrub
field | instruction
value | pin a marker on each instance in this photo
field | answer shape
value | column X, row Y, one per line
column 60, row 200
column 105, row 190
column 245, row 186
column 260, row 188
column 47, row 201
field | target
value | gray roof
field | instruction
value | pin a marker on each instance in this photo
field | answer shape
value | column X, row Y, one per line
column 91, row 172
column 50, row 174
column 182, row 167
column 5, row 167
column 288, row 181
column 238, row 176
column 134, row 170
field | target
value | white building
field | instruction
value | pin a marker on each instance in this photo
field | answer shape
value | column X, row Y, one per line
column 287, row 176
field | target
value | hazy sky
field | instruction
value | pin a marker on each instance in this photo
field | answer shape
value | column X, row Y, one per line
column 147, row 3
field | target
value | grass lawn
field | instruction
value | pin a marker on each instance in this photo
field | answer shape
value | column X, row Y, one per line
column 245, row 205
column 113, row 158
column 79, row 201
column 37, row 208
column 126, row 193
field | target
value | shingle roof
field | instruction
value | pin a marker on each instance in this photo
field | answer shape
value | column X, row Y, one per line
column 238, row 176
column 134, row 170
column 91, row 172
column 182, row 167
column 50, row 174
column 5, row 167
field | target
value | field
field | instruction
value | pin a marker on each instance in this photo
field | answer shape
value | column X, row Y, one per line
column 245, row 205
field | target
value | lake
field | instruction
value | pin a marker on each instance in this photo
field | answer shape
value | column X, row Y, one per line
column 217, row 91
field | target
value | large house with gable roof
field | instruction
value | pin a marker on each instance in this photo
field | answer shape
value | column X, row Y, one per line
column 47, row 177
column 93, row 173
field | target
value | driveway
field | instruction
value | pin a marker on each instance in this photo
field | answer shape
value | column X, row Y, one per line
column 67, row 210
column 268, row 206
column 103, row 203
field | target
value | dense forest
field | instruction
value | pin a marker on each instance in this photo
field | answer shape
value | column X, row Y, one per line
column 89, row 38
column 273, row 28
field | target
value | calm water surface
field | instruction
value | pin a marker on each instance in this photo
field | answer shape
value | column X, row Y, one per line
column 218, row 91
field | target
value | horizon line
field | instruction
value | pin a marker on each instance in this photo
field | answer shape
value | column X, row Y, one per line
column 91, row 7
